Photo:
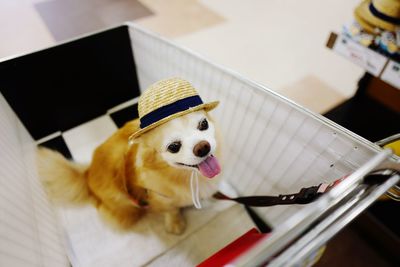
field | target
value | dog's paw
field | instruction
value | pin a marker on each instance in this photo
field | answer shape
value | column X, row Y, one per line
column 177, row 227
column 175, row 223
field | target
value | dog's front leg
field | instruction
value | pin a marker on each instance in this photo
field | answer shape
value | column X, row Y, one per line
column 174, row 221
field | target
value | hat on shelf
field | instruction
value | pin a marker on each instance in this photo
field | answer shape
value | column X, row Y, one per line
column 383, row 14
column 369, row 28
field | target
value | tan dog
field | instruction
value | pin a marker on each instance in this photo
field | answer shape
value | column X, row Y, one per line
column 151, row 174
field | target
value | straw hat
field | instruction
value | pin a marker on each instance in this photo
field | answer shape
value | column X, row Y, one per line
column 166, row 100
column 384, row 14
column 369, row 28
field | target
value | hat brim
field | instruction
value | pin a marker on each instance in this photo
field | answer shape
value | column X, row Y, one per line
column 365, row 15
column 364, row 24
column 206, row 107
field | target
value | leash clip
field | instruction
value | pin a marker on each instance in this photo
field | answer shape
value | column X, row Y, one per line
column 307, row 195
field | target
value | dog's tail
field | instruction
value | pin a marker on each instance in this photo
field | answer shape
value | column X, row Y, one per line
column 64, row 181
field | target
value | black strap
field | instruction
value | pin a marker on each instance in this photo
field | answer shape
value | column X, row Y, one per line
column 305, row 196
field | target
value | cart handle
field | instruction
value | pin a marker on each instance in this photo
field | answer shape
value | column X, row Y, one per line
column 333, row 224
column 391, row 139
column 391, row 142
column 299, row 225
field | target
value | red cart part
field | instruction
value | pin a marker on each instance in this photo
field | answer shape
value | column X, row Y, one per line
column 234, row 249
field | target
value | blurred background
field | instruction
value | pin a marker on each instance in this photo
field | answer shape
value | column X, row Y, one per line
column 278, row 43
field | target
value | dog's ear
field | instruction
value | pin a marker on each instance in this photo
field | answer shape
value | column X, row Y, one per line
column 140, row 154
column 149, row 156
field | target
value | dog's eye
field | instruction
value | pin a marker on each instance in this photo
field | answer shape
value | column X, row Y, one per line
column 203, row 125
column 174, row 147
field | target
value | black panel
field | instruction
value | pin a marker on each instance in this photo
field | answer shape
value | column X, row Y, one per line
column 58, row 144
column 366, row 117
column 374, row 121
column 386, row 212
column 124, row 115
column 66, row 85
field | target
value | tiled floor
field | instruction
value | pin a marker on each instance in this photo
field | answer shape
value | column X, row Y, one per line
column 174, row 18
column 313, row 93
column 277, row 43
column 67, row 19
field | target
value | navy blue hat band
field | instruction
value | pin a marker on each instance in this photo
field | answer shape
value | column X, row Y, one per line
column 170, row 109
column 382, row 16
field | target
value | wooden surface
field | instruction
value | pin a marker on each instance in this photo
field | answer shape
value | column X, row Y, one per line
column 350, row 249
column 384, row 93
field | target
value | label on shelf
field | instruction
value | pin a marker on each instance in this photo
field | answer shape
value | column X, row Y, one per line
column 391, row 74
column 366, row 58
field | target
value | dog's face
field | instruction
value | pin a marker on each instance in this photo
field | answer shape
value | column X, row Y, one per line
column 188, row 142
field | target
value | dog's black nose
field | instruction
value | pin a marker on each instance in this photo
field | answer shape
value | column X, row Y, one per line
column 201, row 149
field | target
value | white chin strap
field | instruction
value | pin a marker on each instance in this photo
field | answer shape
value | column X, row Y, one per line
column 194, row 187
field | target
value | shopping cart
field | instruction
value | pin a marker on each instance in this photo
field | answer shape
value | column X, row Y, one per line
column 271, row 146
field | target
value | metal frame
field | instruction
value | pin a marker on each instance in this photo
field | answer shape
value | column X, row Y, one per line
column 340, row 213
column 262, row 88
column 337, row 208
column 283, row 235
column 336, row 222
column 388, row 140
column 394, row 192
column 256, row 85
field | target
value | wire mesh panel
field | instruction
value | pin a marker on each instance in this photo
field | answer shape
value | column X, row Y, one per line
column 270, row 145
column 29, row 234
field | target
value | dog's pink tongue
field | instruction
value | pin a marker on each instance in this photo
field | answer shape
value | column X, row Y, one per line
column 210, row 167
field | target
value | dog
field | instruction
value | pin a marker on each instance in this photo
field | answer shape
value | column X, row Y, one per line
column 150, row 173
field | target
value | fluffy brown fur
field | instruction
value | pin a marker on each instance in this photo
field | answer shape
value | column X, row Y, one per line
column 117, row 175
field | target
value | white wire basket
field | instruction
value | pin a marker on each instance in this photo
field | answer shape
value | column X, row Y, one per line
column 270, row 144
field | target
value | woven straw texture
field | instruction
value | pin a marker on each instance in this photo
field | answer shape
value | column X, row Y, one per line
column 163, row 93
column 368, row 20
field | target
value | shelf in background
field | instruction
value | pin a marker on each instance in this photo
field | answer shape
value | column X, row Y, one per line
column 373, row 62
column 374, row 113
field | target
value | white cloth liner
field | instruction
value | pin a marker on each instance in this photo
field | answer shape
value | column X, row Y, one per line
column 90, row 242
column 93, row 243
